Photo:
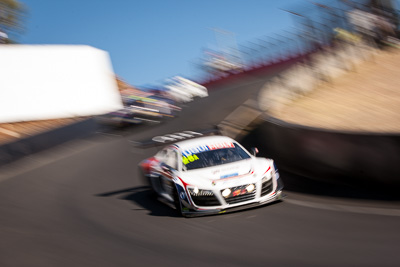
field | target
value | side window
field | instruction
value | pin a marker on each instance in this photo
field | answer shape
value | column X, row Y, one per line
column 161, row 156
column 171, row 158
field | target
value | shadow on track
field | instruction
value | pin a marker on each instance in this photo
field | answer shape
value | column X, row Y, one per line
column 145, row 198
column 126, row 130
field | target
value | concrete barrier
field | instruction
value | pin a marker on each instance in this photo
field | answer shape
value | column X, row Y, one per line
column 328, row 155
column 333, row 156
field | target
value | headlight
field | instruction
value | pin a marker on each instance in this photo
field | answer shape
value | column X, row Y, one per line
column 196, row 192
column 267, row 176
column 226, row 192
column 238, row 190
column 250, row 188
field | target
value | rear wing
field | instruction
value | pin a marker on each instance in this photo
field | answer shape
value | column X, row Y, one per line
column 175, row 137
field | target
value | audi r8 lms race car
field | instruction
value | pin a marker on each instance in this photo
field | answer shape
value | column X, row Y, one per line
column 211, row 175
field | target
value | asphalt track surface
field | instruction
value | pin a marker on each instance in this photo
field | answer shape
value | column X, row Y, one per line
column 83, row 204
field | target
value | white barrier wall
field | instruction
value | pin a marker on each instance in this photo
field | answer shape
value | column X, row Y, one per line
column 39, row 82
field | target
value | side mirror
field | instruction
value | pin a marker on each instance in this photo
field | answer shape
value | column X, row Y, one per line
column 254, row 151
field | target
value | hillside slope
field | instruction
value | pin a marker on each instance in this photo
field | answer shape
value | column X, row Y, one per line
column 365, row 99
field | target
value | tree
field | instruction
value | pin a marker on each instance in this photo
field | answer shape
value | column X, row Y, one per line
column 11, row 15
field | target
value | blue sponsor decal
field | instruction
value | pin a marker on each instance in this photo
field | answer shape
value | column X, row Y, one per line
column 229, row 175
column 202, row 148
column 181, row 191
column 276, row 169
column 195, row 150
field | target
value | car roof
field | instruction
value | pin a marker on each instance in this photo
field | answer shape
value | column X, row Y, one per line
column 200, row 141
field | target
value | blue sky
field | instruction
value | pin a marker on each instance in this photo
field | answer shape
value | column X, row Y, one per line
column 151, row 40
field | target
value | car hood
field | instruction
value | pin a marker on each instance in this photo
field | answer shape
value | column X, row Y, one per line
column 231, row 173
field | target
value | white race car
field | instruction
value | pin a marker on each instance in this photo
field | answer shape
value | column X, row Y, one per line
column 184, row 90
column 211, row 175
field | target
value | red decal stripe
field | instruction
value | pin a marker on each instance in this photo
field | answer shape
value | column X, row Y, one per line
column 187, row 192
column 267, row 170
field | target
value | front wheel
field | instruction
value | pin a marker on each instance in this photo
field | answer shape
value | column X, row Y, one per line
column 177, row 202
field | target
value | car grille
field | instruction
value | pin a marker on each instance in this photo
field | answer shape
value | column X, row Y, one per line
column 205, row 201
column 233, row 199
column 266, row 187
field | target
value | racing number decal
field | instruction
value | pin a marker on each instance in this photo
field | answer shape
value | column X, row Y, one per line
column 189, row 159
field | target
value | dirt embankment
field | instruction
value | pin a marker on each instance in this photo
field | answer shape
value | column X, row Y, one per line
column 365, row 99
column 10, row 132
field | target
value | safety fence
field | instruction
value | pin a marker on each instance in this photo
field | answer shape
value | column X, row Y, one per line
column 318, row 25
column 309, row 34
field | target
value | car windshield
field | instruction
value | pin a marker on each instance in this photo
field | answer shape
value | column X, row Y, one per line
column 215, row 157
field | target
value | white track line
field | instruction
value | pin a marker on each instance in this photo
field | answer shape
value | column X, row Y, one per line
column 346, row 208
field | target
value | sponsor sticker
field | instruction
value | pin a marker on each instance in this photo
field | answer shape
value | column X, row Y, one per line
column 202, row 148
column 239, row 192
column 189, row 158
column 195, row 150
column 229, row 175
column 221, row 145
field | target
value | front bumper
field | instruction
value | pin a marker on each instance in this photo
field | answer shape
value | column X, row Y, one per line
column 276, row 196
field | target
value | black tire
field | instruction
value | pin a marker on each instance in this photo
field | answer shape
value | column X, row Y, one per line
column 151, row 185
column 177, row 202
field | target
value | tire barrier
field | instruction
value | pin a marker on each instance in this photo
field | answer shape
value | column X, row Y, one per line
column 331, row 156
column 12, row 151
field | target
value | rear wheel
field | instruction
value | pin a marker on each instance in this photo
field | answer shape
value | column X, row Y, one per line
column 147, row 181
column 154, row 183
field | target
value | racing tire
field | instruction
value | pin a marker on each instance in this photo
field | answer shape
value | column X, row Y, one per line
column 177, row 202
column 151, row 185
